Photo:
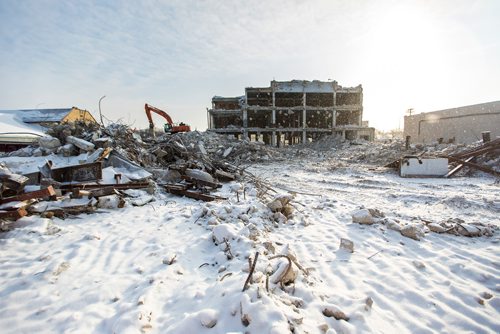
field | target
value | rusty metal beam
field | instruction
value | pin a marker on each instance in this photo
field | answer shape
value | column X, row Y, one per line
column 457, row 168
column 178, row 190
column 49, row 191
column 14, row 214
column 137, row 185
column 473, row 165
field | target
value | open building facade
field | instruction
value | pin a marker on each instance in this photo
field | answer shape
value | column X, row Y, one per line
column 291, row 112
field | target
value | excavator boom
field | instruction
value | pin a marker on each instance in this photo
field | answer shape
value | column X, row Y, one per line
column 169, row 126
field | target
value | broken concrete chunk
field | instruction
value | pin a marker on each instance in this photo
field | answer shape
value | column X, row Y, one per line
column 347, row 245
column 279, row 218
column 469, row 230
column 110, row 202
column 418, row 264
column 49, row 142
column 287, row 210
column 376, row 213
column 199, row 175
column 159, row 152
column 435, row 227
column 284, row 199
column 486, row 295
column 94, row 156
column 208, row 318
column 38, row 152
column 80, row 143
column 224, row 232
column 284, row 273
column 170, row 259
column 412, row 231
column 202, row 148
column 362, row 217
column 103, row 142
column 368, row 303
column 67, row 150
column 275, row 205
column 392, row 224
column 334, row 311
column 227, row 152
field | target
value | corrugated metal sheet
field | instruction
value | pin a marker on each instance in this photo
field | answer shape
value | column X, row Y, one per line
column 43, row 115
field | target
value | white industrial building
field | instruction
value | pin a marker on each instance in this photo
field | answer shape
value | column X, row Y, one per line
column 460, row 125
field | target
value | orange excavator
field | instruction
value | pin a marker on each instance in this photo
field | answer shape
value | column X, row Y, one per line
column 169, row 127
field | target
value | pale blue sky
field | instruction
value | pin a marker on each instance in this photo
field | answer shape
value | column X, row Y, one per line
column 176, row 55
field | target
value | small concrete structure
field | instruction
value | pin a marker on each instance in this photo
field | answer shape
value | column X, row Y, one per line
column 423, row 167
column 460, row 125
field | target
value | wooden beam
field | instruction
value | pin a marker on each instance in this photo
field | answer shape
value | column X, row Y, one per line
column 14, row 214
column 49, row 191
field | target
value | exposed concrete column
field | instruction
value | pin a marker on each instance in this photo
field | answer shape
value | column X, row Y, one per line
column 209, row 119
column 361, row 107
column 273, row 121
column 304, row 125
column 304, row 118
column 245, row 123
column 334, row 113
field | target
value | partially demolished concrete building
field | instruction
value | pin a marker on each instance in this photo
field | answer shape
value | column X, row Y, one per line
column 291, row 112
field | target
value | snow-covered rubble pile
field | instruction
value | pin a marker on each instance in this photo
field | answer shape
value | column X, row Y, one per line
column 228, row 148
column 279, row 287
column 417, row 228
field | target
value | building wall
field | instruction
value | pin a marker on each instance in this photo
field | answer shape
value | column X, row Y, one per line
column 79, row 115
column 462, row 124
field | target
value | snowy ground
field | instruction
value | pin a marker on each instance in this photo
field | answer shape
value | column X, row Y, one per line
column 157, row 268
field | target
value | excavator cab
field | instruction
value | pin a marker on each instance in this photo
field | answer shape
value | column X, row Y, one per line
column 167, row 128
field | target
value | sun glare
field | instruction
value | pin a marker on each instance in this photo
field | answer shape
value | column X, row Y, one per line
column 404, row 44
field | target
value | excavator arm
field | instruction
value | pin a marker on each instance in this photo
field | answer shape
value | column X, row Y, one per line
column 169, row 126
column 160, row 112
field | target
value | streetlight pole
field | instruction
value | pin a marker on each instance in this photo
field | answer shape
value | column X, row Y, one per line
column 100, row 113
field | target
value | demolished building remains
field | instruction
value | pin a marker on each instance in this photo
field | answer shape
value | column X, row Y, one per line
column 291, row 112
column 21, row 128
